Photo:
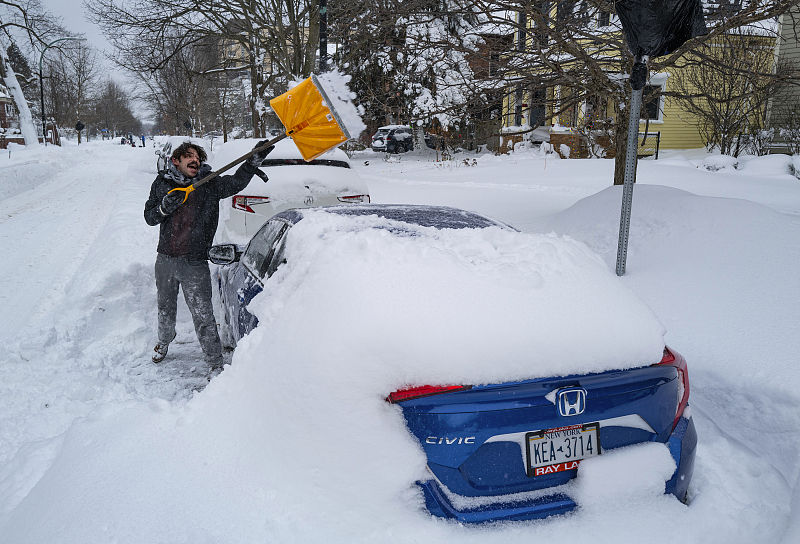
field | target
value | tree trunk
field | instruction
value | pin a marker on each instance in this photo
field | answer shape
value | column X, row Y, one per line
column 26, row 125
column 254, row 115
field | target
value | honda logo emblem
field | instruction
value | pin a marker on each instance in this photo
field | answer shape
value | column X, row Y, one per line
column 571, row 401
column 309, row 200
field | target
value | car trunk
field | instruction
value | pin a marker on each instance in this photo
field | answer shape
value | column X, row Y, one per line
column 477, row 441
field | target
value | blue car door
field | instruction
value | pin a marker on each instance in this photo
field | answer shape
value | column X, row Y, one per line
column 247, row 279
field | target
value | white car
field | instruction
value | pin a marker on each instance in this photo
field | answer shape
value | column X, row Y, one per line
column 327, row 180
column 393, row 139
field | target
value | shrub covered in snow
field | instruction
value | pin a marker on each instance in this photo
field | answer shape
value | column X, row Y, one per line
column 794, row 166
column 716, row 163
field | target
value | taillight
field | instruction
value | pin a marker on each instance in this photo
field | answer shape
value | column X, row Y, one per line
column 423, row 391
column 675, row 359
column 242, row 202
column 351, row 199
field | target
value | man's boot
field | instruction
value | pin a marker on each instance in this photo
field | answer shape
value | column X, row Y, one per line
column 161, row 350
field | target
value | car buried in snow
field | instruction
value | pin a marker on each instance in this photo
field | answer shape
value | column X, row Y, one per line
column 496, row 451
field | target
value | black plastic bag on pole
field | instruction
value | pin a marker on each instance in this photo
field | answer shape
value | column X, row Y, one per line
column 654, row 28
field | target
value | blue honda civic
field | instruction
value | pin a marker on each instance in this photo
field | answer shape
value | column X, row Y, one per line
column 514, row 445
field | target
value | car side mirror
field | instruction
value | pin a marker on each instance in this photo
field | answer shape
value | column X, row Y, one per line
column 224, row 254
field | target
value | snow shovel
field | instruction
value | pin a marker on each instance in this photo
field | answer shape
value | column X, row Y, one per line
column 308, row 117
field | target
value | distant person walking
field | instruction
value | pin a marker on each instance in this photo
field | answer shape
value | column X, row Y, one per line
column 187, row 231
column 143, row 140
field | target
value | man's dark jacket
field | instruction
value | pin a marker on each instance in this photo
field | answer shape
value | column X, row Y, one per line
column 189, row 231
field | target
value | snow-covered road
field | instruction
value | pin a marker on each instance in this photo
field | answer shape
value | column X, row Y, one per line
column 47, row 231
column 78, row 321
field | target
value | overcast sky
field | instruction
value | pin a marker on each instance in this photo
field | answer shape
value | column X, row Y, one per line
column 74, row 18
column 73, row 15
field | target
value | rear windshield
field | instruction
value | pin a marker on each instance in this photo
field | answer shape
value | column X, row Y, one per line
column 299, row 162
column 439, row 217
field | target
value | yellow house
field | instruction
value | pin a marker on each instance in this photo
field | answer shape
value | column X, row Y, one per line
column 668, row 123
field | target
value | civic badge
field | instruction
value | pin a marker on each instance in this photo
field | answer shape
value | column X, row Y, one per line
column 571, row 401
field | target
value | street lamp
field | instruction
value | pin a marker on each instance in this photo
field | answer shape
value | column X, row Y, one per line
column 41, row 83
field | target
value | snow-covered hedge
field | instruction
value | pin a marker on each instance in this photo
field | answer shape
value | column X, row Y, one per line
column 794, row 166
column 716, row 163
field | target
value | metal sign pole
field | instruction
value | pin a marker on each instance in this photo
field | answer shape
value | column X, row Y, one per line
column 638, row 79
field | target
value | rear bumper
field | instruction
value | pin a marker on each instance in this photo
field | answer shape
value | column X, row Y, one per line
column 682, row 444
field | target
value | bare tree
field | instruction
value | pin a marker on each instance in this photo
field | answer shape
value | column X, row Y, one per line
column 726, row 86
column 274, row 41
column 574, row 54
column 29, row 19
column 111, row 110
column 70, row 76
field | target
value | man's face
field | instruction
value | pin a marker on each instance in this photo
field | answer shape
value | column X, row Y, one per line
column 188, row 164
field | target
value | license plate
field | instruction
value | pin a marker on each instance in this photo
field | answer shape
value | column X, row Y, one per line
column 560, row 449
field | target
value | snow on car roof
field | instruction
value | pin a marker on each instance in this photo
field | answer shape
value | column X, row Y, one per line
column 390, row 127
column 487, row 305
column 440, row 217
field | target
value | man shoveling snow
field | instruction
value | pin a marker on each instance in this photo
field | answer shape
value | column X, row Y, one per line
column 188, row 222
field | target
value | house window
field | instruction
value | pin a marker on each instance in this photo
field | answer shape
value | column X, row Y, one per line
column 604, row 18
column 651, row 103
column 563, row 10
column 541, row 22
column 537, row 113
column 494, row 63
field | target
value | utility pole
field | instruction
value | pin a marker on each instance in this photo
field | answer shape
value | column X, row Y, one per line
column 323, row 36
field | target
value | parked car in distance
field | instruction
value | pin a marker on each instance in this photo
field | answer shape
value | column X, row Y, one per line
column 393, row 139
column 327, row 180
column 495, row 451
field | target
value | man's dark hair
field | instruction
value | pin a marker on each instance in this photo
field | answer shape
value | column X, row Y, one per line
column 183, row 150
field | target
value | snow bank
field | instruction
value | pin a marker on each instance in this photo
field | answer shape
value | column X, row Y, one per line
column 24, row 167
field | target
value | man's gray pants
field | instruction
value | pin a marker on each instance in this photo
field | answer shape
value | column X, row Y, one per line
column 194, row 280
